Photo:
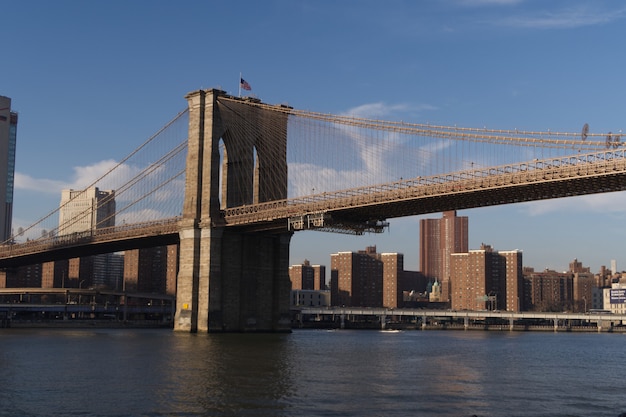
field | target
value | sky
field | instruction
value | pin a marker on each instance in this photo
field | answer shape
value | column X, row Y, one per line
column 92, row 80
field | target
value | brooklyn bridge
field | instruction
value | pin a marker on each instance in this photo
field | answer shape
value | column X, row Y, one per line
column 230, row 179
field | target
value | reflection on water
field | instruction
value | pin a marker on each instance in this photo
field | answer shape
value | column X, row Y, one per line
column 310, row 373
column 229, row 374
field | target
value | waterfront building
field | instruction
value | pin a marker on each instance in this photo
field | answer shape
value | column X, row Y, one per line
column 310, row 298
column 370, row 279
column 582, row 291
column 356, row 279
column 439, row 238
column 615, row 298
column 486, row 279
column 54, row 274
column 514, row 280
column 307, row 276
column 548, row 290
column 108, row 270
column 151, row 270
column 28, row 276
column 597, row 300
column 583, row 282
column 8, row 141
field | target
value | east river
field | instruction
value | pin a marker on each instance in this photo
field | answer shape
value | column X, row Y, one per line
column 122, row 372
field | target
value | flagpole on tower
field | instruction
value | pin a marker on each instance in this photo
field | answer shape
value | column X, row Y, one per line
column 243, row 84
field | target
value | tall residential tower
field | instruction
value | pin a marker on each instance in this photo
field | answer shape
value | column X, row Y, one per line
column 439, row 238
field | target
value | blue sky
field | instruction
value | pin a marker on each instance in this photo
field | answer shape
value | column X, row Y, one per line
column 94, row 79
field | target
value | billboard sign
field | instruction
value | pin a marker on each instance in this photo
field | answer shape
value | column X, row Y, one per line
column 618, row 296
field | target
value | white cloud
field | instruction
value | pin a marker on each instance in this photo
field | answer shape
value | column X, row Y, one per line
column 363, row 156
column 87, row 175
column 595, row 203
column 83, row 177
column 140, row 198
column 138, row 216
column 44, row 185
column 565, row 18
column 379, row 110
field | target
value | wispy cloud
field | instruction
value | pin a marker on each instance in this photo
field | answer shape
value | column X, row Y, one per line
column 564, row 18
column 363, row 156
column 596, row 203
column 477, row 3
column 83, row 176
column 43, row 185
column 380, row 109
column 151, row 195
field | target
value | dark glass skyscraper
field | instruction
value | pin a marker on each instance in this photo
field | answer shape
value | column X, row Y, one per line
column 8, row 136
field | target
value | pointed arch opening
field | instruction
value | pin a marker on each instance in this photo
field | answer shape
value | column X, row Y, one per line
column 237, row 172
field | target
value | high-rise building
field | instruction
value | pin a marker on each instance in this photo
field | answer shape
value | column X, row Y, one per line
column 439, row 238
column 356, row 279
column 8, row 138
column 370, row 279
column 577, row 266
column 583, row 284
column 548, row 290
column 83, row 211
column 54, row 274
column 514, row 280
column 28, row 276
column 394, row 279
column 151, row 269
column 108, row 270
column 486, row 280
column 307, row 276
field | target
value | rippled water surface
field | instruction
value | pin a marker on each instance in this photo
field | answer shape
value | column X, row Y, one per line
column 113, row 372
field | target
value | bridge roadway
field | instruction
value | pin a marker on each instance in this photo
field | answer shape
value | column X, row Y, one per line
column 359, row 210
column 367, row 207
column 466, row 316
column 105, row 240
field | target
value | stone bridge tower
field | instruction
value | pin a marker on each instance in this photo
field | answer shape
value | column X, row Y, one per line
column 232, row 278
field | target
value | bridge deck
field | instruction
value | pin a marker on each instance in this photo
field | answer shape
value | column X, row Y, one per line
column 536, row 180
column 359, row 209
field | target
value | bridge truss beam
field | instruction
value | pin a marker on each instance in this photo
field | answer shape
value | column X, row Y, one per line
column 529, row 181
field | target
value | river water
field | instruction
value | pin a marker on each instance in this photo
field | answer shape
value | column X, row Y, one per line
column 149, row 372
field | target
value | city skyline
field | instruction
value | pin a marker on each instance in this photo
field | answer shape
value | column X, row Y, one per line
column 115, row 73
column 412, row 261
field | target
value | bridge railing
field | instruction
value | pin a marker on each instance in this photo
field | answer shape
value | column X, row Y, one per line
column 580, row 165
column 124, row 231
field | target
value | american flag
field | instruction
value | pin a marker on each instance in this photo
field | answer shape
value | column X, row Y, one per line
column 244, row 84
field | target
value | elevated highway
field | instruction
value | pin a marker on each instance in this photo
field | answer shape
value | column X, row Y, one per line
column 603, row 321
